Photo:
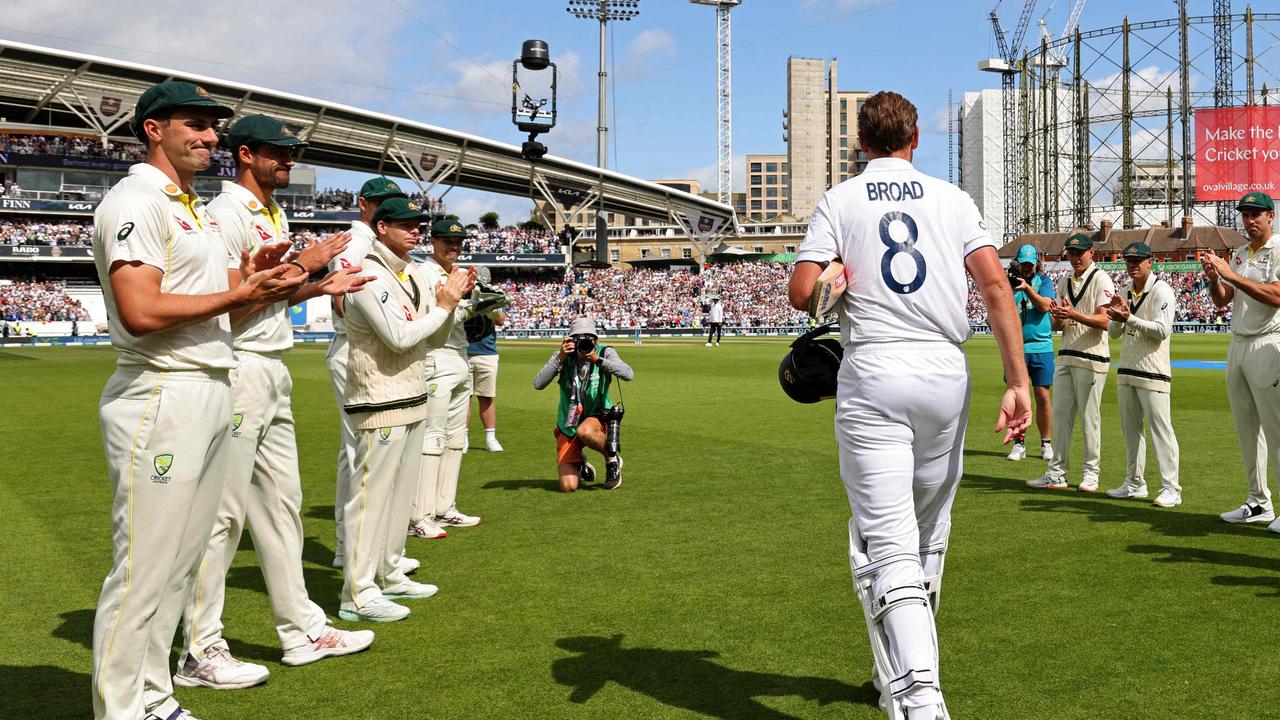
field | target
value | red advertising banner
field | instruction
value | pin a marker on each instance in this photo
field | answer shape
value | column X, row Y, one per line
column 1237, row 151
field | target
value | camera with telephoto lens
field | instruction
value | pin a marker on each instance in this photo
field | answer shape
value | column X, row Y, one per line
column 584, row 344
column 613, row 429
column 1015, row 275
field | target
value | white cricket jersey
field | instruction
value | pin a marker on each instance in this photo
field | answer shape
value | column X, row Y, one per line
column 1144, row 354
column 452, row 337
column 1250, row 318
column 1082, row 345
column 146, row 218
column 903, row 237
column 247, row 224
column 717, row 312
column 362, row 240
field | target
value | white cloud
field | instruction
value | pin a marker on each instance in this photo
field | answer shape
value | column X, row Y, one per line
column 252, row 42
column 652, row 44
column 469, row 205
column 708, row 175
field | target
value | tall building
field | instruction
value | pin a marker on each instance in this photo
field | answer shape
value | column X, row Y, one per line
column 981, row 144
column 821, row 122
column 768, row 195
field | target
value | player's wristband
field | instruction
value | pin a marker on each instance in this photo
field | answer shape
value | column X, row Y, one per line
column 300, row 266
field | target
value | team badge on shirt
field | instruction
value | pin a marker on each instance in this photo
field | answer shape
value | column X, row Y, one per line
column 262, row 233
column 182, row 223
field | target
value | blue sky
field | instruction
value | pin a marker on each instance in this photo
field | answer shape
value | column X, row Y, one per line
column 444, row 61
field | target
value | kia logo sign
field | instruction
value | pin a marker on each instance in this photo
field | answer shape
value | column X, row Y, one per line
column 79, row 206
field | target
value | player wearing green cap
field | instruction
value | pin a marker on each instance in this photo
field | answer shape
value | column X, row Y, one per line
column 1145, row 320
column 435, row 509
column 262, row 483
column 1250, row 282
column 1033, row 294
column 166, row 411
column 371, row 195
column 390, row 325
column 1083, row 361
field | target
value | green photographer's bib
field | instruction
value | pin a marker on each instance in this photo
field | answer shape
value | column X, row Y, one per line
column 591, row 397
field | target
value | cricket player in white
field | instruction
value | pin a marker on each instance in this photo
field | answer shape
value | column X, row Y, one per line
column 166, row 411
column 435, row 508
column 1083, row 360
column 262, row 482
column 906, row 239
column 372, row 193
column 1252, row 281
column 389, row 324
column 1145, row 320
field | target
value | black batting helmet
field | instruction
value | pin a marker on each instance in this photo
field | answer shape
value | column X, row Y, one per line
column 808, row 372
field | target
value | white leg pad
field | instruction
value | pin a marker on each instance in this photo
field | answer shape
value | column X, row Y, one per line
column 900, row 628
column 932, row 558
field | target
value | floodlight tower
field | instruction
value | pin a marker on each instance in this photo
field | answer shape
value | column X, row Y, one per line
column 602, row 11
column 724, row 98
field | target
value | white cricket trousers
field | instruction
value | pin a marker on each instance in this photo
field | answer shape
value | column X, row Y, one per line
column 263, row 486
column 1136, row 406
column 336, row 359
column 1253, row 387
column 901, row 412
column 379, row 501
column 449, row 381
column 166, row 439
column 1077, row 391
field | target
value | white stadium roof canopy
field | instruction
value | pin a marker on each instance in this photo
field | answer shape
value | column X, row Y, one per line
column 46, row 90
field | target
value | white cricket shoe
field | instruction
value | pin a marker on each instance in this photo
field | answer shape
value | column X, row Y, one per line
column 1047, row 482
column 219, row 670
column 1168, row 498
column 332, row 642
column 409, row 590
column 717, row 344
column 492, row 445
column 1088, row 484
column 338, row 561
column 427, row 529
column 1046, row 451
column 1274, row 526
column 1018, row 452
column 179, row 714
column 708, row 344
column 1249, row 513
column 1131, row 488
column 379, row 610
column 408, row 565
column 453, row 518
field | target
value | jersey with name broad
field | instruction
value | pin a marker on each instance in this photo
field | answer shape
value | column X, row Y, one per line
column 1250, row 318
column 247, row 224
column 146, row 218
column 903, row 237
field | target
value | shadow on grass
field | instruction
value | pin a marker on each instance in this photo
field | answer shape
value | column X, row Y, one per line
column 690, row 680
column 320, row 512
column 76, row 627
column 1271, row 584
column 530, row 484
column 44, row 691
column 988, row 453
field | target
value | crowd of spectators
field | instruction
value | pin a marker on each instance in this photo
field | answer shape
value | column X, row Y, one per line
column 510, row 240
column 74, row 146
column 341, row 199
column 38, row 302
column 648, row 298
column 40, row 232
column 1193, row 302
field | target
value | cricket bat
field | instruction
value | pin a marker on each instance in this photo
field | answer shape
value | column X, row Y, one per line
column 828, row 289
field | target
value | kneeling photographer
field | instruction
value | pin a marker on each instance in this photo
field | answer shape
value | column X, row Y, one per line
column 586, row 416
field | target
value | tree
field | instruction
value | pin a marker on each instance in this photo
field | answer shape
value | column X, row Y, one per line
column 489, row 220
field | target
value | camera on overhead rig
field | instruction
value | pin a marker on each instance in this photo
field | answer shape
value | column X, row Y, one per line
column 528, row 113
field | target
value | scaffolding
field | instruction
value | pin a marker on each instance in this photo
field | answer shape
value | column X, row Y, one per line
column 1098, row 141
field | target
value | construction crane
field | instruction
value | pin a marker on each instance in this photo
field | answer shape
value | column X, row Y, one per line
column 1057, row 59
column 1008, row 65
column 724, row 99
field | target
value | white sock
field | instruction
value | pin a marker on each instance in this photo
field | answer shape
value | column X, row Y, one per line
column 490, row 433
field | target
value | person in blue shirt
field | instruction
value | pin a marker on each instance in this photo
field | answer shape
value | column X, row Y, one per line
column 1033, row 295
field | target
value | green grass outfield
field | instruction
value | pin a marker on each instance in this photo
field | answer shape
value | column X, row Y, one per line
column 713, row 584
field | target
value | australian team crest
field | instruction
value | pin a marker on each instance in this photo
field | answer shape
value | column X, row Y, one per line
column 384, row 435
column 236, row 421
column 162, row 464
